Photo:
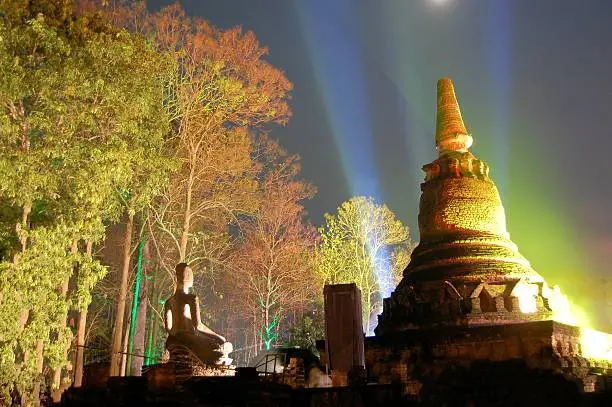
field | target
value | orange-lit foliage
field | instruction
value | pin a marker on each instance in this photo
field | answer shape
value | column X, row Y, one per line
column 274, row 270
column 222, row 92
column 222, row 88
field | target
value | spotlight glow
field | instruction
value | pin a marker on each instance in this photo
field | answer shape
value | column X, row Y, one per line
column 526, row 294
column 338, row 60
column 595, row 345
column 439, row 3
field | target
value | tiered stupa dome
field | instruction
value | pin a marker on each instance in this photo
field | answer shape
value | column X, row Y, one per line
column 465, row 270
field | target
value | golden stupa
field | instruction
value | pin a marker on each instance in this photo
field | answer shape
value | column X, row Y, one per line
column 465, row 270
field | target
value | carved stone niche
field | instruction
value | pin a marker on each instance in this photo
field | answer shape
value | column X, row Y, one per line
column 449, row 305
column 532, row 296
column 457, row 295
column 489, row 298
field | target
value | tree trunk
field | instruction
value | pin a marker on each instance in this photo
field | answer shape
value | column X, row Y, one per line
column 267, row 327
column 25, row 313
column 152, row 324
column 138, row 339
column 247, row 357
column 184, row 238
column 187, row 215
column 57, row 374
column 154, row 328
column 367, row 312
column 185, row 231
column 115, row 368
column 255, row 331
column 80, row 351
column 27, row 208
column 39, row 369
column 124, row 350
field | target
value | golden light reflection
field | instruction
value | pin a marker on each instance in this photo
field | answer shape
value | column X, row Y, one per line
column 595, row 345
column 526, row 294
column 560, row 305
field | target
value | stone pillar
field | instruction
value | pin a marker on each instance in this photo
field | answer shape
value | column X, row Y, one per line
column 343, row 331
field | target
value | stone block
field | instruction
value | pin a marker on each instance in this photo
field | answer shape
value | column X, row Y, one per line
column 343, row 327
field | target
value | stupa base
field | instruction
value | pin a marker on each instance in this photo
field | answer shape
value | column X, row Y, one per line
column 418, row 357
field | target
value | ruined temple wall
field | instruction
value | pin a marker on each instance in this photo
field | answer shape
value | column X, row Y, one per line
column 415, row 356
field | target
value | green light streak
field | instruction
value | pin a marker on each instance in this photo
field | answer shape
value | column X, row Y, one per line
column 135, row 301
column 149, row 342
column 270, row 334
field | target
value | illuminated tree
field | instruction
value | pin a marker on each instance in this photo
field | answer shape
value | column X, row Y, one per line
column 37, row 67
column 222, row 90
column 132, row 115
column 146, row 164
column 274, row 272
column 364, row 243
column 73, row 95
column 399, row 261
column 222, row 93
column 306, row 330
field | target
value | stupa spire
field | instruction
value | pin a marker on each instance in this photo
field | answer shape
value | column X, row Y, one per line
column 451, row 134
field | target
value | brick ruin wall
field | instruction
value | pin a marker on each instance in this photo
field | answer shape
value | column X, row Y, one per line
column 411, row 356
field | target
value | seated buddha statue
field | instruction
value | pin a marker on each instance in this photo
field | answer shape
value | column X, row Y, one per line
column 185, row 328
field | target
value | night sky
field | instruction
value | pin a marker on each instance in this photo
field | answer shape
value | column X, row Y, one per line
column 533, row 80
